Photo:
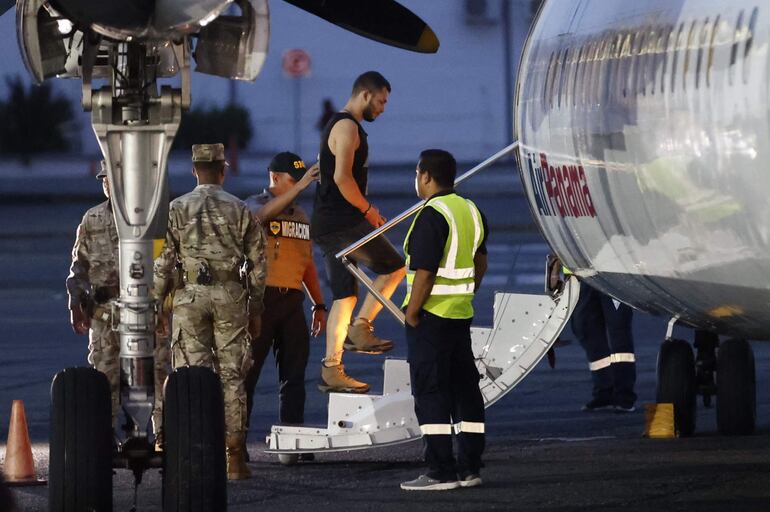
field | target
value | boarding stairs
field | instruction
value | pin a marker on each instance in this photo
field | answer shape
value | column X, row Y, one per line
column 524, row 328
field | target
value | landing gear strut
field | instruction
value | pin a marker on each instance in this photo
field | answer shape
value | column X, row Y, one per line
column 706, row 344
column 135, row 124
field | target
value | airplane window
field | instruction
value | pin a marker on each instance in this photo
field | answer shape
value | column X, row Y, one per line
column 646, row 52
column 596, row 71
column 619, row 66
column 710, row 65
column 704, row 37
column 670, row 43
column 737, row 36
column 589, row 72
column 690, row 38
column 658, row 57
column 548, row 78
column 556, row 77
column 678, row 43
column 749, row 41
column 613, row 81
column 634, row 61
column 601, row 82
column 576, row 74
column 562, row 78
column 585, row 73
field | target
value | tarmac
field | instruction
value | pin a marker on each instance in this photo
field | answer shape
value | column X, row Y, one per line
column 543, row 453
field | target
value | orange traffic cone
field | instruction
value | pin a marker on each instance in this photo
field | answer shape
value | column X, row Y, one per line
column 19, row 468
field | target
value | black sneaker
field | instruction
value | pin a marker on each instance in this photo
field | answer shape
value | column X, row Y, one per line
column 426, row 483
column 625, row 408
column 596, row 405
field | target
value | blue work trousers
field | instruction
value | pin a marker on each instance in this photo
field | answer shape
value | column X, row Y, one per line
column 447, row 398
column 604, row 331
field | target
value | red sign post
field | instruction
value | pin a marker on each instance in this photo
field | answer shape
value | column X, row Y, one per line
column 296, row 65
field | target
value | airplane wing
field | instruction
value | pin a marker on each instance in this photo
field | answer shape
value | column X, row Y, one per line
column 5, row 5
column 385, row 21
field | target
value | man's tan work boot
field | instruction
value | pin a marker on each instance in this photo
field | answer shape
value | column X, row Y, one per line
column 236, row 463
column 361, row 338
column 335, row 380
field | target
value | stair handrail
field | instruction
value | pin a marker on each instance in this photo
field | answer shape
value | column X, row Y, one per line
column 362, row 277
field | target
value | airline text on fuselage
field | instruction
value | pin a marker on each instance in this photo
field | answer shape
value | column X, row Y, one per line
column 560, row 190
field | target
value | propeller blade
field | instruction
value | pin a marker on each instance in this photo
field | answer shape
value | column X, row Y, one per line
column 385, row 21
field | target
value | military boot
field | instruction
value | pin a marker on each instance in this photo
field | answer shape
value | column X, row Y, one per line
column 236, row 463
column 361, row 338
column 335, row 380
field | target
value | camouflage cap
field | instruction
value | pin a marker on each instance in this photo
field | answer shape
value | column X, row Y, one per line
column 102, row 171
column 208, row 153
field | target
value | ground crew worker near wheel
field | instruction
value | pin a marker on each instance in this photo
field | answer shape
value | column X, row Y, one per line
column 289, row 266
column 216, row 240
column 446, row 258
column 342, row 215
column 603, row 327
column 92, row 283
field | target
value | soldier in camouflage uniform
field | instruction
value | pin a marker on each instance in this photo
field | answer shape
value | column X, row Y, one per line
column 212, row 235
column 92, row 283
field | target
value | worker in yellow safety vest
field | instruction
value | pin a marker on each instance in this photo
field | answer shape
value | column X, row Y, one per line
column 446, row 258
column 603, row 327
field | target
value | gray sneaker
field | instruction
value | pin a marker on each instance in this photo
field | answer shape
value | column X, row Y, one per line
column 426, row 483
column 471, row 480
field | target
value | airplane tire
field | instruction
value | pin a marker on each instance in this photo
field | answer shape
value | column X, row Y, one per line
column 194, row 467
column 676, row 383
column 80, row 464
column 736, row 388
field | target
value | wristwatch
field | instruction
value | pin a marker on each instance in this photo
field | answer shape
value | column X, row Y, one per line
column 320, row 306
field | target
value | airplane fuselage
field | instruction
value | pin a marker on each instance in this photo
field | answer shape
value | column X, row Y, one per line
column 644, row 137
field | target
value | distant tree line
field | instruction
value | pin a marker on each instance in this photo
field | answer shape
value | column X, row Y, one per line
column 34, row 120
column 229, row 125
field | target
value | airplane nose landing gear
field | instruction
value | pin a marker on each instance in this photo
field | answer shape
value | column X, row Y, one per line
column 706, row 344
column 135, row 123
column 723, row 370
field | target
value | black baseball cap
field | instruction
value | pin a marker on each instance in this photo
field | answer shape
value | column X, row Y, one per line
column 289, row 163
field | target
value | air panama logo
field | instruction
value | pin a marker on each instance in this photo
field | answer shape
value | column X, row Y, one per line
column 560, row 190
column 290, row 229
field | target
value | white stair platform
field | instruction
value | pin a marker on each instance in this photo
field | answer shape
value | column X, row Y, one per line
column 524, row 329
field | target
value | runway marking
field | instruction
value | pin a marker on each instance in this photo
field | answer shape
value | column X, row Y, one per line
column 572, row 439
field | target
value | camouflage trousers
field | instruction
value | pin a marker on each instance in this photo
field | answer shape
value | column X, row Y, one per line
column 210, row 329
column 104, row 355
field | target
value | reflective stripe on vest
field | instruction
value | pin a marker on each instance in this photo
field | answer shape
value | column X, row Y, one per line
column 452, row 292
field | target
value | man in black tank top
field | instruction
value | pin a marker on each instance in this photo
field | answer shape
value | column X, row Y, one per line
column 342, row 215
